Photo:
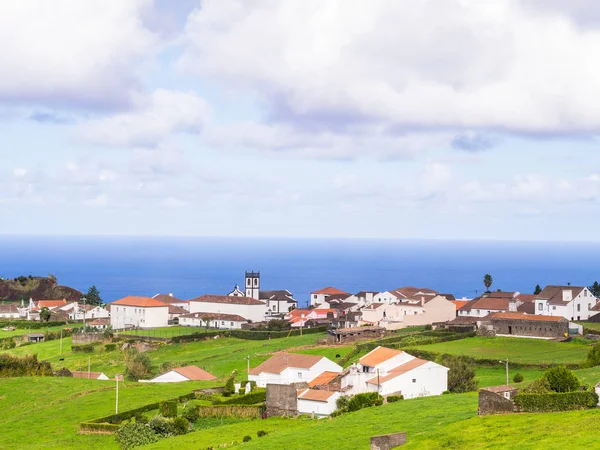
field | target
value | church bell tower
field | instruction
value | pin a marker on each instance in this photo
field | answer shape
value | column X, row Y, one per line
column 253, row 285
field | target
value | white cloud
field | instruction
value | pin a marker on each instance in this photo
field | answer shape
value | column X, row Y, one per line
column 416, row 65
column 70, row 52
column 151, row 121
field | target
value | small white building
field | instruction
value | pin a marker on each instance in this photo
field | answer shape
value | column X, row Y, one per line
column 249, row 308
column 389, row 371
column 278, row 302
column 9, row 311
column 318, row 402
column 288, row 368
column 570, row 302
column 320, row 296
column 215, row 320
column 187, row 373
column 139, row 312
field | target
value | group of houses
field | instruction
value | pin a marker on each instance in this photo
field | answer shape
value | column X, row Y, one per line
column 318, row 382
column 59, row 310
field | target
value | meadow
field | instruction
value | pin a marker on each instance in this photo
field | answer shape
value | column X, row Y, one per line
column 22, row 331
column 517, row 350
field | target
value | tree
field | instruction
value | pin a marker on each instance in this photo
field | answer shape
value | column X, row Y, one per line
column 137, row 366
column 93, row 296
column 537, row 290
column 593, row 358
column 45, row 314
column 461, row 376
column 595, row 289
column 561, row 379
column 487, row 281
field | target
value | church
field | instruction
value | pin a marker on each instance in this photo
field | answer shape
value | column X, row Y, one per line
column 279, row 302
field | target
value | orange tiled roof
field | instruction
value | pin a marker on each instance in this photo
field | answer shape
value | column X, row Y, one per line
column 85, row 374
column 281, row 361
column 194, row 373
column 397, row 371
column 378, row 355
column 459, row 303
column 143, row 302
column 51, row 303
column 315, row 395
column 324, row 378
column 329, row 291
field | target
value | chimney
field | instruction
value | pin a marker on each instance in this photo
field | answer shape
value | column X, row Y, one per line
column 170, row 294
column 567, row 295
column 512, row 305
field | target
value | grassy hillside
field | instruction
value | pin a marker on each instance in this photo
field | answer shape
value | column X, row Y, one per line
column 22, row 331
column 518, row 350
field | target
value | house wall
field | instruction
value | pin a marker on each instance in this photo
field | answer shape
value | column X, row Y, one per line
column 14, row 315
column 317, row 299
column 97, row 313
column 493, row 403
column 221, row 324
column 584, row 301
column 133, row 316
column 169, row 377
column 318, row 408
column 385, row 297
column 255, row 313
column 429, row 379
column 282, row 400
column 295, row 374
column 530, row 327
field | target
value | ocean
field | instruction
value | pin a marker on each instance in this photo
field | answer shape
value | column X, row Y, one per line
column 192, row 266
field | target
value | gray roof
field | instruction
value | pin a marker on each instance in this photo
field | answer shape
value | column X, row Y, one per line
column 278, row 295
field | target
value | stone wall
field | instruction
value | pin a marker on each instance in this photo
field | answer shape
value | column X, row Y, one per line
column 86, row 338
column 282, row 400
column 493, row 403
column 530, row 327
column 354, row 334
column 388, row 441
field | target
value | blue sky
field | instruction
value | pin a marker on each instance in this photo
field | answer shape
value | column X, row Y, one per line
column 453, row 119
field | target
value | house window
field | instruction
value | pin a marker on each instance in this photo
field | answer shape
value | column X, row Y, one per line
column 315, row 296
column 414, row 380
column 300, row 375
column 231, row 323
column 365, row 368
column 478, row 311
column 554, row 308
column 540, row 307
column 578, row 307
column 585, row 292
column 222, row 322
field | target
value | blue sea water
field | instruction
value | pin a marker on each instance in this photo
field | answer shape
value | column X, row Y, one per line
column 189, row 266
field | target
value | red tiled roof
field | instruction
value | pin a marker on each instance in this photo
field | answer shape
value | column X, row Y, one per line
column 324, row 378
column 498, row 304
column 194, row 373
column 315, row 395
column 522, row 316
column 329, row 291
column 51, row 303
column 459, row 303
column 397, row 371
column 168, row 298
column 85, row 374
column 281, row 361
column 142, row 302
column 378, row 355
column 227, row 299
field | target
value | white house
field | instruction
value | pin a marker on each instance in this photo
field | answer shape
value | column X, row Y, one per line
column 390, row 371
column 278, row 302
column 187, row 373
column 250, row 309
column 320, row 296
column 288, row 368
column 9, row 311
column 215, row 320
column 385, row 297
column 141, row 312
column 570, row 302
column 482, row 306
column 318, row 402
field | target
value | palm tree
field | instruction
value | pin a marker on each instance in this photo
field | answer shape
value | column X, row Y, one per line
column 488, row 280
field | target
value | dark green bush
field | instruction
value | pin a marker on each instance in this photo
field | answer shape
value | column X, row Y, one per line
column 261, row 433
column 518, row 378
column 134, row 434
column 561, row 379
column 394, row 398
column 242, row 391
column 342, row 403
column 140, row 418
column 110, row 347
column 15, row 366
column 180, row 425
column 366, row 400
column 160, row 425
column 557, row 401
column 190, row 412
column 168, row 408
column 86, row 348
column 229, row 386
column 137, row 366
column 254, row 397
column 247, row 438
column 461, row 376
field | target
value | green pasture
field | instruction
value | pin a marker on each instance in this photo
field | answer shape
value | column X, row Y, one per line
column 22, row 331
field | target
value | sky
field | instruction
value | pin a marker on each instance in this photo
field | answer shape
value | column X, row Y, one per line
column 427, row 119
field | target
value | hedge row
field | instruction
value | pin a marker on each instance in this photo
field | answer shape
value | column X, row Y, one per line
column 86, row 348
column 19, row 324
column 253, row 398
column 242, row 412
column 557, row 401
column 28, row 365
column 246, row 334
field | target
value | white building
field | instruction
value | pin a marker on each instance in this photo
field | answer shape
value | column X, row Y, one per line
column 318, row 402
column 187, row 373
column 320, row 296
column 141, row 312
column 570, row 302
column 246, row 307
column 288, row 368
column 385, row 297
column 390, row 371
column 10, row 311
column 278, row 302
column 215, row 320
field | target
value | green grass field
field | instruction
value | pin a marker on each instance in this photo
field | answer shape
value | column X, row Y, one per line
column 166, row 332
column 518, row 350
column 590, row 325
column 22, row 331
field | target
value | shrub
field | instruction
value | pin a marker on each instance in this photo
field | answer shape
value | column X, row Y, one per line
column 229, row 386
column 394, row 398
column 87, row 348
column 261, row 433
column 247, row 438
column 134, row 434
column 160, row 425
column 361, row 401
column 15, row 366
column 556, row 401
column 539, row 386
column 168, row 408
column 242, row 391
column 254, row 397
column 461, row 376
column 137, row 366
column 428, row 327
column 342, row 402
column 140, row 418
column 180, row 425
column 190, row 412
column 518, row 378
column 561, row 379
column 593, row 357
column 110, row 347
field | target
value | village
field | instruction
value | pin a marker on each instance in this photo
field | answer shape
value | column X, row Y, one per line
column 369, row 347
